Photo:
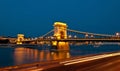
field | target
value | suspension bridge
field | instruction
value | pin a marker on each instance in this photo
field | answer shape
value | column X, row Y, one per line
column 61, row 33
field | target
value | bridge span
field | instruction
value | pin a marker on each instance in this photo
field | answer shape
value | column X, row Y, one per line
column 82, row 40
column 62, row 33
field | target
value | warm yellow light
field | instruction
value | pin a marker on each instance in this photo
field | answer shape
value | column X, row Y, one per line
column 20, row 38
column 60, row 30
column 20, row 35
column 54, row 43
column 60, row 24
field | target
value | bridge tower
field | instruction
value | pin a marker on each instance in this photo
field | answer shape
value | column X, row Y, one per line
column 20, row 38
column 60, row 32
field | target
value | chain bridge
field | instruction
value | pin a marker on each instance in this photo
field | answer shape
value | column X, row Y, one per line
column 62, row 33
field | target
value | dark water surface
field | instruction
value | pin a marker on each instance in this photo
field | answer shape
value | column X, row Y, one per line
column 10, row 56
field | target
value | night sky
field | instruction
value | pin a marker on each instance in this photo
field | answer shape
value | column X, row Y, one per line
column 36, row 17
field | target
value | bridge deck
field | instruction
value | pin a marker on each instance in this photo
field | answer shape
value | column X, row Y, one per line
column 83, row 40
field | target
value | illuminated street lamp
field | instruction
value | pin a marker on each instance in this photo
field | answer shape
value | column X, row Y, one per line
column 91, row 36
column 36, row 38
column 51, row 37
column 69, row 36
column 75, row 36
column 117, row 34
column 86, row 35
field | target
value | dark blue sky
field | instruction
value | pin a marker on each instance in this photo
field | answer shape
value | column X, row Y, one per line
column 36, row 17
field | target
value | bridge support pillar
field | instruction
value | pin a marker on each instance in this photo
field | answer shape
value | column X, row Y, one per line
column 60, row 45
column 63, row 46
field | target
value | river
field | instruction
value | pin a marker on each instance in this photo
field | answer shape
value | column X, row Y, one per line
column 10, row 56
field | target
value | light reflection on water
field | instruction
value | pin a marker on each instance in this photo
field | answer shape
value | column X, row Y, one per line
column 20, row 55
column 26, row 55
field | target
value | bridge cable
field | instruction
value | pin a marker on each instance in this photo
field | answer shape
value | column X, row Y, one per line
column 80, row 32
column 47, row 33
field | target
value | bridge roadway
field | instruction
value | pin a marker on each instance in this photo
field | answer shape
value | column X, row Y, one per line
column 83, row 40
column 98, row 62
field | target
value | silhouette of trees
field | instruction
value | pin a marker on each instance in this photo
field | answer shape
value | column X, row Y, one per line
column 5, row 41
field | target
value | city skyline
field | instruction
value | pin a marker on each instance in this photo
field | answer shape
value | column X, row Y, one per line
column 31, row 17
